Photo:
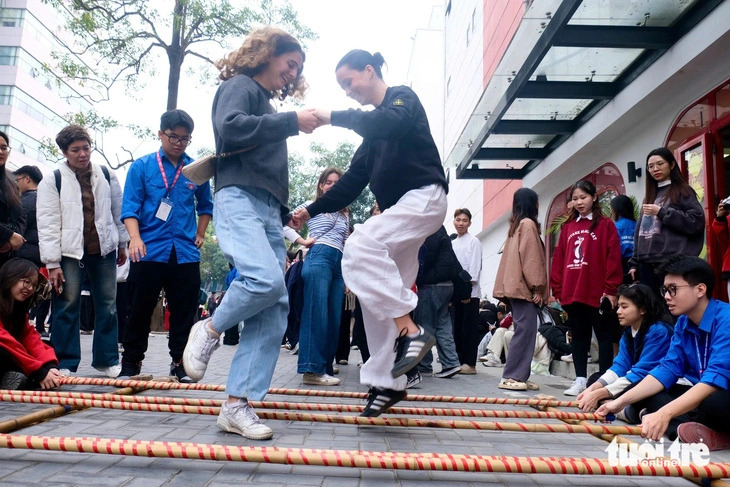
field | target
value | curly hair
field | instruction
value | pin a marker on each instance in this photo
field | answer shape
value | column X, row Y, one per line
column 69, row 135
column 254, row 55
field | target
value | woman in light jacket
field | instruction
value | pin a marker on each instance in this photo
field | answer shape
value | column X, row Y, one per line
column 79, row 230
column 522, row 279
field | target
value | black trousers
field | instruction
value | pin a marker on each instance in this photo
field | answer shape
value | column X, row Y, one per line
column 343, row 345
column 359, row 339
column 41, row 312
column 582, row 320
column 181, row 283
column 122, row 309
column 466, row 331
column 712, row 412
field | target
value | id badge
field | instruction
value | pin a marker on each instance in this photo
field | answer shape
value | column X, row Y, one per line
column 163, row 212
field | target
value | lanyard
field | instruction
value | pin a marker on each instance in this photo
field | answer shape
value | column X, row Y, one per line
column 703, row 360
column 164, row 176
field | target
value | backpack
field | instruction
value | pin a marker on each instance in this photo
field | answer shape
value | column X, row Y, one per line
column 554, row 332
column 57, row 176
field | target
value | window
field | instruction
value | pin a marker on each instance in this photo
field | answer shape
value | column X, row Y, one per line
column 5, row 94
column 8, row 56
column 11, row 17
column 448, row 86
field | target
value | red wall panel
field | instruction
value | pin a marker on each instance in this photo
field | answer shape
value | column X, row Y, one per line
column 501, row 19
column 497, row 199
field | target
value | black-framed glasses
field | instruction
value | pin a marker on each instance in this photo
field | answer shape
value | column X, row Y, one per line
column 28, row 284
column 672, row 289
column 178, row 140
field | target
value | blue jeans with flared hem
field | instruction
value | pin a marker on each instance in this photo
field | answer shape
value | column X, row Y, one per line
column 248, row 225
column 324, row 291
column 102, row 272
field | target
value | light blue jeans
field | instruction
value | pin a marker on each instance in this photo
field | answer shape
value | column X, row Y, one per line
column 324, row 291
column 102, row 272
column 432, row 313
column 248, row 225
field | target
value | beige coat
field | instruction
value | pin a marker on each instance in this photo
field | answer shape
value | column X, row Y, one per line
column 522, row 271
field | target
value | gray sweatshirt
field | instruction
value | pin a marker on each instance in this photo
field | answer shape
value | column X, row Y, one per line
column 243, row 116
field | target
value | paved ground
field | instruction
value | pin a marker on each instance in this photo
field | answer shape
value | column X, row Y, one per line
column 24, row 467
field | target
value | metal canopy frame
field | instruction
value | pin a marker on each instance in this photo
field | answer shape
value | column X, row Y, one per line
column 655, row 41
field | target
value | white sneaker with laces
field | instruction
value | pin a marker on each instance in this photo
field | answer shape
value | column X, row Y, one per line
column 578, row 386
column 112, row 371
column 319, row 379
column 491, row 360
column 242, row 419
column 199, row 349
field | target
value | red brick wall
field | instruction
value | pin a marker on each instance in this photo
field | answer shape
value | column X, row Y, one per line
column 497, row 199
column 501, row 19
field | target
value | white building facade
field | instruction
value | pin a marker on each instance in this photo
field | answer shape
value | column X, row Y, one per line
column 32, row 99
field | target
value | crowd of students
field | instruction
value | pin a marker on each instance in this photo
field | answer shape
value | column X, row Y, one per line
column 415, row 286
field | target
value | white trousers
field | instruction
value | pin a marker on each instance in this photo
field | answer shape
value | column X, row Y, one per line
column 380, row 265
column 501, row 340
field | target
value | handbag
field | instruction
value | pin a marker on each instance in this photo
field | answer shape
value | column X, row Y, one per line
column 200, row 171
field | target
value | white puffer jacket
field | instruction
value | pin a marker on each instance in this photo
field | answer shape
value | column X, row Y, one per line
column 61, row 217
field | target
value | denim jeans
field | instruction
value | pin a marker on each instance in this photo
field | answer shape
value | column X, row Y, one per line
column 102, row 272
column 324, row 291
column 432, row 313
column 248, row 225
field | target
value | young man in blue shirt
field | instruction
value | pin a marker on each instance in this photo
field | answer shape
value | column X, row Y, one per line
column 699, row 352
column 159, row 213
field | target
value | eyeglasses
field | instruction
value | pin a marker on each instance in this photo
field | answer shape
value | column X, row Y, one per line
column 178, row 140
column 28, row 284
column 19, row 178
column 5, row 149
column 672, row 289
column 659, row 164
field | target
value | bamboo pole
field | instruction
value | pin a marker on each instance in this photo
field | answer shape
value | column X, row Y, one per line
column 315, row 392
column 45, row 414
column 308, row 406
column 357, row 459
column 325, row 418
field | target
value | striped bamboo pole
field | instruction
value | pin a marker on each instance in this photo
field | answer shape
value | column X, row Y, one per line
column 315, row 392
column 308, row 406
column 46, row 414
column 343, row 458
column 325, row 418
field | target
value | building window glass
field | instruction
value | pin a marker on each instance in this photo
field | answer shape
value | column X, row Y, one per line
column 8, row 56
column 722, row 101
column 11, row 17
column 693, row 122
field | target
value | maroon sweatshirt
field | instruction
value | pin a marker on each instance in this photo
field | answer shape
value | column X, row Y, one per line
column 586, row 264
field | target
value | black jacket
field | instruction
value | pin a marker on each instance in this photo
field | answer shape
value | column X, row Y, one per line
column 397, row 154
column 436, row 259
column 30, row 249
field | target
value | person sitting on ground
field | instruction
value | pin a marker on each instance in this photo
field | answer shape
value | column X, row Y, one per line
column 644, row 342
column 25, row 361
column 493, row 354
column 700, row 352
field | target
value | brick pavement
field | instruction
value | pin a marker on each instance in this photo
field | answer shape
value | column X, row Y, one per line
column 25, row 467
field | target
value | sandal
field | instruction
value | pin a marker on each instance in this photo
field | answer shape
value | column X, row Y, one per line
column 512, row 385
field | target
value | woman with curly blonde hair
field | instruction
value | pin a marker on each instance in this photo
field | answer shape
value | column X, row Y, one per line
column 252, row 195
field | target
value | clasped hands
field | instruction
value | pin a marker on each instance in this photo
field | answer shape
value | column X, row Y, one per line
column 312, row 118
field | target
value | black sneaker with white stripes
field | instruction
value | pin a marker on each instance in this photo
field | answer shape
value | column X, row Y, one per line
column 379, row 400
column 410, row 350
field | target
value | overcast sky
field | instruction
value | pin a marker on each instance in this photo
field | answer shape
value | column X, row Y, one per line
column 386, row 26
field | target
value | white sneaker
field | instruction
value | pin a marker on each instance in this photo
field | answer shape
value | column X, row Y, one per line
column 491, row 360
column 112, row 371
column 198, row 350
column 242, row 419
column 65, row 372
column 578, row 386
column 319, row 379
column 567, row 358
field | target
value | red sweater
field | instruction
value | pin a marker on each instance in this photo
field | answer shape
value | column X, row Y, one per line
column 586, row 264
column 28, row 351
column 720, row 231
